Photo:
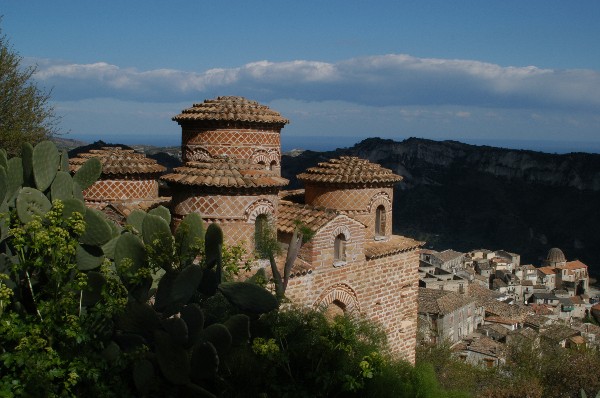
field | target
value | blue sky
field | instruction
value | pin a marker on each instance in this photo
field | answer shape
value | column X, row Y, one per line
column 479, row 71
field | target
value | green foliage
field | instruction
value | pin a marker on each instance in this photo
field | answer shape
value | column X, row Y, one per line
column 25, row 111
column 298, row 353
column 532, row 369
column 52, row 339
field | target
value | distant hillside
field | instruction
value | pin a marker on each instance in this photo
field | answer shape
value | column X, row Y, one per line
column 463, row 196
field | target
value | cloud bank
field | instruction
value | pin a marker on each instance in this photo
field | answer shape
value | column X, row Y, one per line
column 384, row 80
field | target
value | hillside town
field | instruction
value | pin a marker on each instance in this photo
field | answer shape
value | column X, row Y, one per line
column 481, row 300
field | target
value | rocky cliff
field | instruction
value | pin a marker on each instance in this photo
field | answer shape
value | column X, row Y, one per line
column 466, row 196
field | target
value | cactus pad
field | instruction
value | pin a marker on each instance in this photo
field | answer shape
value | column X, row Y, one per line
column 64, row 161
column 97, row 231
column 3, row 184
column 163, row 212
column 88, row 257
column 129, row 246
column 213, row 242
column 3, row 159
column 204, row 363
column 239, row 327
column 31, row 202
column 155, row 227
column 27, row 155
column 88, row 173
column 190, row 232
column 15, row 175
column 136, row 219
column 177, row 328
column 93, row 292
column 218, row 335
column 172, row 358
column 71, row 206
column 248, row 297
column 62, row 186
column 45, row 164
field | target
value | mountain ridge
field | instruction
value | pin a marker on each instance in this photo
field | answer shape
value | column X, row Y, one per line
column 464, row 196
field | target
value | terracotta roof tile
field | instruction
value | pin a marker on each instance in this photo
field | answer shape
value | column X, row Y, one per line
column 349, row 170
column 395, row 244
column 118, row 161
column 442, row 302
column 574, row 265
column 313, row 217
column 226, row 173
column 238, row 109
column 547, row 270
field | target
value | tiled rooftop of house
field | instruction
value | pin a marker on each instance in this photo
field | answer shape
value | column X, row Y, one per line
column 225, row 173
column 557, row 332
column 448, row 255
column 311, row 216
column 231, row 109
column 574, row 265
column 349, row 170
column 485, row 345
column 493, row 307
column 441, row 302
column 118, row 161
column 395, row 244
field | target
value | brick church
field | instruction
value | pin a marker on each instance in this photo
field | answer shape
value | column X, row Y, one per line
column 231, row 175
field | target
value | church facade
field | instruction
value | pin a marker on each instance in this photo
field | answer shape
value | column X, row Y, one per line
column 353, row 264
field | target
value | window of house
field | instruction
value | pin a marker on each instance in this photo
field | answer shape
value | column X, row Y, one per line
column 380, row 222
column 261, row 231
column 339, row 248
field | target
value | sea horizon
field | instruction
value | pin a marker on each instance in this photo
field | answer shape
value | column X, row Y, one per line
column 329, row 143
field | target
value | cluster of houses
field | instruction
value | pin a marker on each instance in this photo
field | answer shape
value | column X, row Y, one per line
column 481, row 300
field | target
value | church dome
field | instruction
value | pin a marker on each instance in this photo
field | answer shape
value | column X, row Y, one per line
column 555, row 256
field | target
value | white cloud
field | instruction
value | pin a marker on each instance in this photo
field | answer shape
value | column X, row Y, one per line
column 383, row 80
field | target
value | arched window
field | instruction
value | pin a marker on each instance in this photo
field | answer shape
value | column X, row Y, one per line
column 339, row 248
column 335, row 309
column 380, row 221
column 272, row 165
column 261, row 232
column 263, row 164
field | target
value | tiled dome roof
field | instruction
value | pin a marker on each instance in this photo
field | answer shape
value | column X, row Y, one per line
column 555, row 255
column 349, row 170
column 237, row 109
column 118, row 161
column 226, row 173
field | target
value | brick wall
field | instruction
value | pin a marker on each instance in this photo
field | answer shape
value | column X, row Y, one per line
column 359, row 203
column 383, row 290
column 235, row 214
column 261, row 146
column 112, row 190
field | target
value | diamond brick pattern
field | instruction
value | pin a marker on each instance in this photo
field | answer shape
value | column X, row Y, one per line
column 219, row 206
column 108, row 190
column 228, row 137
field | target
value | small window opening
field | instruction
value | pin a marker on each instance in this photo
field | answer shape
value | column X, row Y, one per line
column 380, row 221
column 261, row 231
column 339, row 248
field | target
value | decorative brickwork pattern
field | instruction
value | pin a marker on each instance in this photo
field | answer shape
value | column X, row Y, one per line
column 359, row 203
column 235, row 214
column 111, row 190
column 341, row 293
